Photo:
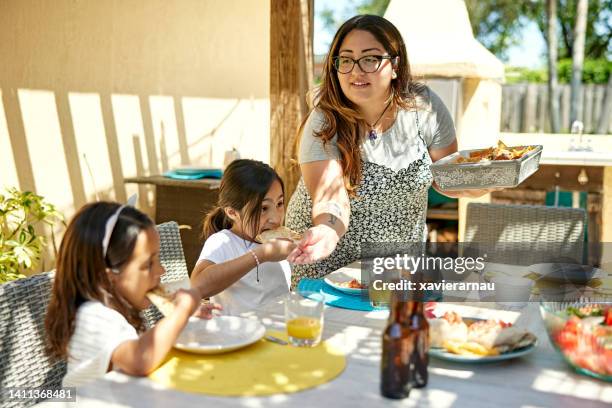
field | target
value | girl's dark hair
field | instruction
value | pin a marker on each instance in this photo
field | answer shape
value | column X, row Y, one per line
column 81, row 268
column 342, row 116
column 243, row 187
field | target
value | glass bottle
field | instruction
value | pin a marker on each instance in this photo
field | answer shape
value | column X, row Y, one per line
column 397, row 351
column 420, row 334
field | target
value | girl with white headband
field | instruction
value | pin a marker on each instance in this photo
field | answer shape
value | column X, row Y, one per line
column 107, row 262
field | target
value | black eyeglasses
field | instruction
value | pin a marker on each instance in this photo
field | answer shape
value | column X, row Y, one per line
column 368, row 64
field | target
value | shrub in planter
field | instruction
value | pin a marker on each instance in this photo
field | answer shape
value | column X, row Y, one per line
column 20, row 244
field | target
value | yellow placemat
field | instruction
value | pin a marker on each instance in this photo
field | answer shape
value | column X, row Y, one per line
column 263, row 368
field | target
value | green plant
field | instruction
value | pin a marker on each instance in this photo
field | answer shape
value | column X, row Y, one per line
column 515, row 75
column 594, row 71
column 20, row 245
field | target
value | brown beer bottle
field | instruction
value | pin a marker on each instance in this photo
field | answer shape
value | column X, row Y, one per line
column 398, row 349
column 419, row 359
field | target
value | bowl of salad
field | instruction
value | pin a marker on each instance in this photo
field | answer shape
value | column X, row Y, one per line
column 581, row 332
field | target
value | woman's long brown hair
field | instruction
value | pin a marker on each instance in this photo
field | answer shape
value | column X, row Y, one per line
column 341, row 115
column 81, row 269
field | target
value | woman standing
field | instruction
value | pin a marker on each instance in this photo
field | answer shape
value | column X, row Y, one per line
column 365, row 151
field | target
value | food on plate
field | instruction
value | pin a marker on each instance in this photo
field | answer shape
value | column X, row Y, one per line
column 449, row 327
column 476, row 338
column 278, row 233
column 468, row 348
column 586, row 338
column 500, row 152
column 430, row 307
column 161, row 297
column 352, row 284
column 491, row 333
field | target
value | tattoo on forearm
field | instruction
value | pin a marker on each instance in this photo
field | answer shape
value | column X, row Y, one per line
column 334, row 209
column 330, row 207
column 332, row 219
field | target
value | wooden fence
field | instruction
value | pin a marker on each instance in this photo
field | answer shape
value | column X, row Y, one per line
column 525, row 108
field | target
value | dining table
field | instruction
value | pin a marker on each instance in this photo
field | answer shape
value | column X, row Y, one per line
column 538, row 379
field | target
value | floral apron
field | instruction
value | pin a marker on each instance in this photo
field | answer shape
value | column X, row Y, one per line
column 389, row 206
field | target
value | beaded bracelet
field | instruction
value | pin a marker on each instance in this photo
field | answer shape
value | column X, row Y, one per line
column 257, row 262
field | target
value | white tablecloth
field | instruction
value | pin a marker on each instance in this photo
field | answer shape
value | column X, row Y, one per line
column 540, row 379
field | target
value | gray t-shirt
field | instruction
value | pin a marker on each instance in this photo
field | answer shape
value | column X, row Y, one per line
column 395, row 148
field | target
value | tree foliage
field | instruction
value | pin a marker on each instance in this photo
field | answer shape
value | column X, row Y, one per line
column 376, row 7
column 598, row 43
column 498, row 24
column 332, row 21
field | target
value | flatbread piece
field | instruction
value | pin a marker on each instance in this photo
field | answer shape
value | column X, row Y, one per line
column 278, row 233
column 161, row 297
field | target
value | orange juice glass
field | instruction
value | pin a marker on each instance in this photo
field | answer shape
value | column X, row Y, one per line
column 304, row 318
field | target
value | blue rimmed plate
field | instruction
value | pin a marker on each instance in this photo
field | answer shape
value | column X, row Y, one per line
column 444, row 354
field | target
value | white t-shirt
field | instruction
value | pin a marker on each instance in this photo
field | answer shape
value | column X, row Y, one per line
column 397, row 146
column 247, row 293
column 97, row 333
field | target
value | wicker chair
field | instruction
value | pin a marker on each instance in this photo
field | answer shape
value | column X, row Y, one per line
column 23, row 307
column 527, row 234
column 23, row 360
column 172, row 259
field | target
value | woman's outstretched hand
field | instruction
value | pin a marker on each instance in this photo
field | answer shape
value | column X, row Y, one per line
column 206, row 309
column 317, row 243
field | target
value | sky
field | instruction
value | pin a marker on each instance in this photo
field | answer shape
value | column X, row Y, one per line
column 529, row 53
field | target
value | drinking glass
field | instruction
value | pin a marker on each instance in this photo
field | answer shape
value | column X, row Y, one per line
column 304, row 318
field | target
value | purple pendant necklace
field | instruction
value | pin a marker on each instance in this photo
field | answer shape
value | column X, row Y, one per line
column 372, row 135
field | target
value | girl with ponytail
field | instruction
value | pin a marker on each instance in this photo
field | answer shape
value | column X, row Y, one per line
column 233, row 269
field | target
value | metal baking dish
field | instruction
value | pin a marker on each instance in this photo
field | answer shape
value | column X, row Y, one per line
column 487, row 174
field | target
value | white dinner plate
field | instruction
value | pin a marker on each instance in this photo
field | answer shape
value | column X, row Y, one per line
column 345, row 274
column 219, row 334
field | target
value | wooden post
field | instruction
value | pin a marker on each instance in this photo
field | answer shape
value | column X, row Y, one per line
column 605, row 123
column 598, row 97
column 565, row 108
column 515, row 124
column 506, row 108
column 542, row 118
column 542, row 108
column 291, row 77
column 587, row 112
column 529, row 108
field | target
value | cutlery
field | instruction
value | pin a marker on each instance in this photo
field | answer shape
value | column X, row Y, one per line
column 276, row 340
